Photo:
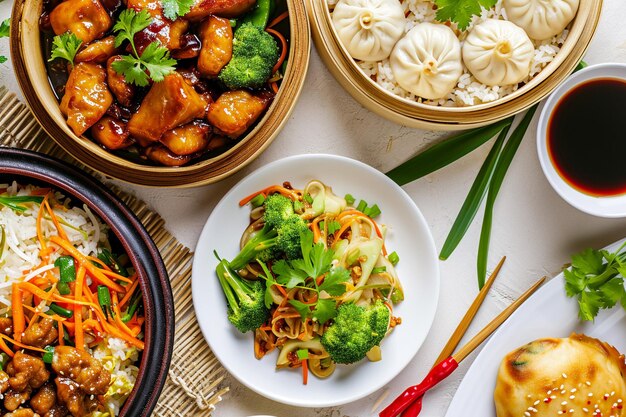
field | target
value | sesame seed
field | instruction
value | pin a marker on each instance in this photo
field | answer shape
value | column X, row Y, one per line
column 533, row 409
column 588, row 383
column 590, row 394
column 537, row 402
column 586, row 410
column 564, row 403
column 526, row 413
column 571, row 397
column 564, row 375
column 560, row 412
column 571, row 410
column 562, row 386
column 553, row 397
column 563, row 392
column 612, row 393
column 619, row 401
column 573, row 390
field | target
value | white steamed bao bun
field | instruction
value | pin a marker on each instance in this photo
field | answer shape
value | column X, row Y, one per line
column 427, row 61
column 369, row 28
column 541, row 19
column 498, row 52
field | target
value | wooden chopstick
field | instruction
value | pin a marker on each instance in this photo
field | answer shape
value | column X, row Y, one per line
column 495, row 323
column 460, row 330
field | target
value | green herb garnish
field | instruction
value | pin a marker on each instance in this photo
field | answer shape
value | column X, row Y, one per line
column 303, row 354
column 461, row 11
column 596, row 278
column 16, row 203
column 393, row 258
column 155, row 58
column 5, row 30
column 349, row 199
column 172, row 9
column 65, row 46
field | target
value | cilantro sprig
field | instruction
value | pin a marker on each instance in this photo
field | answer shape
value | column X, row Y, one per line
column 154, row 62
column 596, row 278
column 65, row 46
column 5, row 30
column 172, row 9
column 461, row 11
column 305, row 273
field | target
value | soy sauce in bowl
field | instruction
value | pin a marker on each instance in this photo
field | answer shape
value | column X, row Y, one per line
column 586, row 137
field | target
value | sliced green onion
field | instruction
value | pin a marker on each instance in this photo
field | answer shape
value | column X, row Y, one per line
column 49, row 355
column 349, row 199
column 307, row 197
column 63, row 312
column 362, row 206
column 3, row 240
column 333, row 226
column 134, row 304
column 444, row 153
column 379, row 270
column 104, row 298
column 393, row 258
column 107, row 257
column 67, row 268
column 63, row 288
column 373, row 211
column 303, row 354
column 474, row 198
column 258, row 200
column 15, row 202
column 4, row 360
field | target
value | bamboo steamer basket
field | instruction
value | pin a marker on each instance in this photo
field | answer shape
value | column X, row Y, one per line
column 410, row 113
column 28, row 62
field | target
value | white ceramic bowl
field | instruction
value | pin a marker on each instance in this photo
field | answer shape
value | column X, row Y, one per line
column 613, row 206
column 418, row 269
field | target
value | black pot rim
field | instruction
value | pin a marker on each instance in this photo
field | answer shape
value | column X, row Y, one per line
column 155, row 284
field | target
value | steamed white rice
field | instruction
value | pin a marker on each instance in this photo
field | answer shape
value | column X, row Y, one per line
column 468, row 90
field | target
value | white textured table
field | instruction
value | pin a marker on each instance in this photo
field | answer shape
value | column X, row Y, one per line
column 533, row 226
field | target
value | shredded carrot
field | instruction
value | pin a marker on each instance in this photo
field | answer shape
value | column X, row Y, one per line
column 18, row 313
column 343, row 228
column 79, row 338
column 283, row 52
column 99, row 262
column 93, row 271
column 269, row 190
column 274, row 87
column 265, row 328
column 305, row 371
column 121, row 335
column 281, row 289
column 5, row 348
column 116, row 276
column 129, row 293
column 53, row 216
column 61, row 334
column 358, row 214
column 278, row 19
column 116, row 308
column 317, row 235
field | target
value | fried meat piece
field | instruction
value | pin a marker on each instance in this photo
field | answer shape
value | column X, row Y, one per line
column 41, row 334
column 216, row 35
column 26, row 371
column 235, row 111
column 87, row 19
column 86, row 97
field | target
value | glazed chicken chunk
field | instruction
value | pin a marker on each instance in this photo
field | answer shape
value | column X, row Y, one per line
column 216, row 35
column 87, row 19
column 224, row 8
column 168, row 33
column 86, row 98
column 40, row 334
column 97, row 51
column 45, row 399
column 169, row 103
column 82, row 368
column 235, row 111
column 26, row 371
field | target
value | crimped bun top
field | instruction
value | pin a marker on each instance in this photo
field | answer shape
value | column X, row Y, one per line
column 576, row 376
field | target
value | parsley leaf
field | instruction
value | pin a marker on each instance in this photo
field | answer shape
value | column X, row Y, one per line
column 175, row 8
column 334, row 282
column 65, row 47
column 288, row 276
column 596, row 278
column 5, row 28
column 155, row 61
column 461, row 11
column 325, row 309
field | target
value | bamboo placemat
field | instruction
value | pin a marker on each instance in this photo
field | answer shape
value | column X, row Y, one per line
column 194, row 385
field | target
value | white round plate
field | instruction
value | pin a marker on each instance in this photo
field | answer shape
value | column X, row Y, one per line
column 418, row 269
column 547, row 313
column 612, row 207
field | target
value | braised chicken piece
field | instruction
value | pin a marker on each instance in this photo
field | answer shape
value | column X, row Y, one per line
column 26, row 371
column 6, row 326
column 40, row 334
column 81, row 368
column 86, row 97
column 97, row 51
column 45, row 399
column 169, row 33
column 123, row 91
column 223, row 8
column 111, row 133
column 57, row 411
column 163, row 156
column 216, row 35
column 22, row 412
column 74, row 398
column 87, row 19
column 217, row 142
column 188, row 139
column 169, row 103
column 14, row 399
column 235, row 111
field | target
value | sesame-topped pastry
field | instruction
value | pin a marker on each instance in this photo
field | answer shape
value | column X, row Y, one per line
column 575, row 377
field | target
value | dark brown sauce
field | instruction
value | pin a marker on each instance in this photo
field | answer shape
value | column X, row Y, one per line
column 587, row 137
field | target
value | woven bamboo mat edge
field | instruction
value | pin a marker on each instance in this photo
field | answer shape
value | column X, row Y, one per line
column 195, row 380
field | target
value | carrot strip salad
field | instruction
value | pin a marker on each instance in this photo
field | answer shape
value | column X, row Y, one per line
column 66, row 299
column 313, row 278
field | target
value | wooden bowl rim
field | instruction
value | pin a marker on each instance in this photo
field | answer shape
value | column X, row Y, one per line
column 204, row 172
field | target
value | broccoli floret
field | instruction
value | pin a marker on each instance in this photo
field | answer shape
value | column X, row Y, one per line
column 255, row 52
column 280, row 234
column 245, row 299
column 355, row 331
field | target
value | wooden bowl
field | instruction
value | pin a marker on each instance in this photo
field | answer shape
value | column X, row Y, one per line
column 29, row 167
column 423, row 116
column 28, row 61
